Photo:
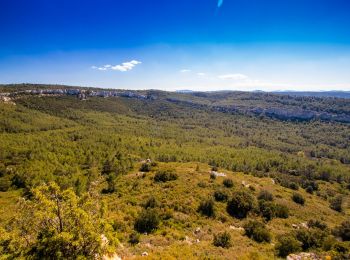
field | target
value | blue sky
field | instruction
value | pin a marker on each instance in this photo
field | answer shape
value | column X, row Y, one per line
column 164, row 44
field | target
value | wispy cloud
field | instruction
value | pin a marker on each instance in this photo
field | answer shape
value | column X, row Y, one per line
column 201, row 74
column 185, row 70
column 236, row 76
column 125, row 66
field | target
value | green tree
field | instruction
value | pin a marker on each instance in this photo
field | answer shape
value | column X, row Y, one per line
column 241, row 203
column 58, row 224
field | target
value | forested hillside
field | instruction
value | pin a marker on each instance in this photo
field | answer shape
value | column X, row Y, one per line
column 173, row 175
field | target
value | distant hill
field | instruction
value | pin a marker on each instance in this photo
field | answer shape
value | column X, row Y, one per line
column 337, row 94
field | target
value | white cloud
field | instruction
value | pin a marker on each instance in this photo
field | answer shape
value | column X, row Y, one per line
column 185, row 70
column 125, row 66
column 236, row 76
column 201, row 74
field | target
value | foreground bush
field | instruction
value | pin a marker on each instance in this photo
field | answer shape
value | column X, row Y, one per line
column 241, row 203
column 257, row 231
column 58, row 224
column 147, row 221
column 164, row 176
column 222, row 240
column 206, row 208
column 298, row 198
column 287, row 244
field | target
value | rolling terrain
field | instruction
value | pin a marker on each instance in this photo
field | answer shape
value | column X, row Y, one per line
column 182, row 175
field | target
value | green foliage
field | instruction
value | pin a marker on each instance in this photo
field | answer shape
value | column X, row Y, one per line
column 151, row 203
column 145, row 167
column 206, row 207
column 298, row 198
column 228, row 183
column 287, row 244
column 220, row 195
column 265, row 195
column 241, row 203
column 281, row 211
column 315, row 223
column 222, row 240
column 257, row 231
column 337, row 203
column 147, row 221
column 59, row 224
column 164, row 176
column 134, row 238
column 311, row 238
column 343, row 230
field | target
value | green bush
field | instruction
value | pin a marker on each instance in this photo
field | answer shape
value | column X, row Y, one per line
column 145, row 167
column 164, row 176
column 257, row 231
column 337, row 203
column 309, row 189
column 298, row 198
column 228, row 183
column 281, row 211
column 315, row 223
column 265, row 195
column 293, row 186
column 206, row 208
column 151, row 202
column 134, row 238
column 267, row 209
column 287, row 244
column 147, row 221
column 241, row 203
column 311, row 238
column 343, row 230
column 222, row 240
column 220, row 195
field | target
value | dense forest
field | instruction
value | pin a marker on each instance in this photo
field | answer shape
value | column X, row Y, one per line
column 198, row 175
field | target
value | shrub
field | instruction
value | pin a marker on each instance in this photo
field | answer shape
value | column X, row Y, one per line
column 286, row 245
column 134, row 238
column 317, row 224
column 164, row 176
column 150, row 203
column 281, row 211
column 145, row 167
column 214, row 168
column 222, row 240
column 207, row 208
column 228, row 183
column 293, row 186
column 310, row 238
column 257, row 231
column 336, row 203
column 298, row 198
column 265, row 195
column 220, row 195
column 212, row 176
column 241, row 203
column 267, row 209
column 147, row 221
column 343, row 231
column 309, row 189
